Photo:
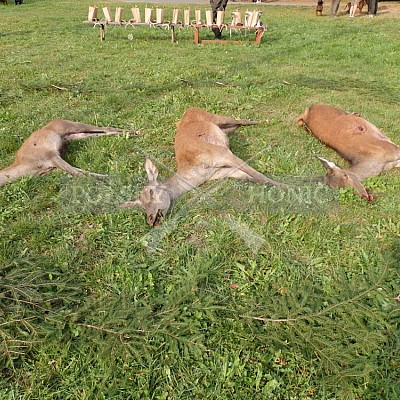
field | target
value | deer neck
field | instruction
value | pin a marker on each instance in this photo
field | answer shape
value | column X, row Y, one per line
column 13, row 172
column 366, row 169
column 182, row 182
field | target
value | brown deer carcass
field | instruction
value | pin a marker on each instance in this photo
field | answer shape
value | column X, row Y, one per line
column 202, row 153
column 41, row 151
column 361, row 143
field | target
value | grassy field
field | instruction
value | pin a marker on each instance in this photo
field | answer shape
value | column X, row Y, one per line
column 244, row 292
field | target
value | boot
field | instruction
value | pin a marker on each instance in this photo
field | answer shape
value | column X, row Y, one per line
column 217, row 33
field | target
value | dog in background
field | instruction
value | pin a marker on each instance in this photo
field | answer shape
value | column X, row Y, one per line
column 361, row 5
column 320, row 7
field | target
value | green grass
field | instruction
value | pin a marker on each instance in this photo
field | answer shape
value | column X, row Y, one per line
column 242, row 293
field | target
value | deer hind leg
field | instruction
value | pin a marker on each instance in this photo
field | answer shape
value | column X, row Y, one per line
column 16, row 171
column 232, row 126
column 60, row 163
column 98, row 132
column 229, row 125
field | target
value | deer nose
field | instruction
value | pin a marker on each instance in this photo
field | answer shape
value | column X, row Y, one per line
column 155, row 219
column 150, row 219
column 158, row 219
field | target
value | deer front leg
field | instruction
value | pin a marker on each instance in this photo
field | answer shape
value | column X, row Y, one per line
column 230, row 160
column 60, row 163
column 230, row 172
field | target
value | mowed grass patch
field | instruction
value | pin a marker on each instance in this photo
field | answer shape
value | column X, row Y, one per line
column 245, row 291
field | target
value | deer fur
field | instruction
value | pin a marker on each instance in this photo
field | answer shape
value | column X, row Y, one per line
column 361, row 143
column 202, row 153
column 41, row 151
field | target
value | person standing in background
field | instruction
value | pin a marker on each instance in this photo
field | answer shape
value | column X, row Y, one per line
column 353, row 8
column 334, row 7
column 372, row 8
column 217, row 5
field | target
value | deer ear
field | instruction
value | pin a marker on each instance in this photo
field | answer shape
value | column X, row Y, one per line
column 151, row 170
column 132, row 204
column 329, row 165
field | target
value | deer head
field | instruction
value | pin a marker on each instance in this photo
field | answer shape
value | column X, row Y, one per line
column 154, row 197
column 337, row 177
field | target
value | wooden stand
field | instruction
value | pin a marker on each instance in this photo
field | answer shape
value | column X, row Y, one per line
column 259, row 31
column 251, row 22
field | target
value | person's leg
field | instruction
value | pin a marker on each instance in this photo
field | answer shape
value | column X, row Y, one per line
column 217, row 5
column 353, row 8
column 372, row 7
column 334, row 7
column 375, row 10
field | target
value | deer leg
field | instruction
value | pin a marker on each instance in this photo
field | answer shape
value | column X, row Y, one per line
column 229, row 127
column 86, row 135
column 60, row 163
column 230, row 172
column 16, row 171
column 228, row 124
column 96, row 131
column 69, row 130
column 230, row 160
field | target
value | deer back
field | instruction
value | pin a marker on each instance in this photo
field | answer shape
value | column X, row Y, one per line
column 198, row 143
column 194, row 114
column 353, row 137
column 40, row 145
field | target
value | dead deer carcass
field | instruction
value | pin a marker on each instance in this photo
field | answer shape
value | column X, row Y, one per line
column 361, row 143
column 202, row 153
column 41, row 151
